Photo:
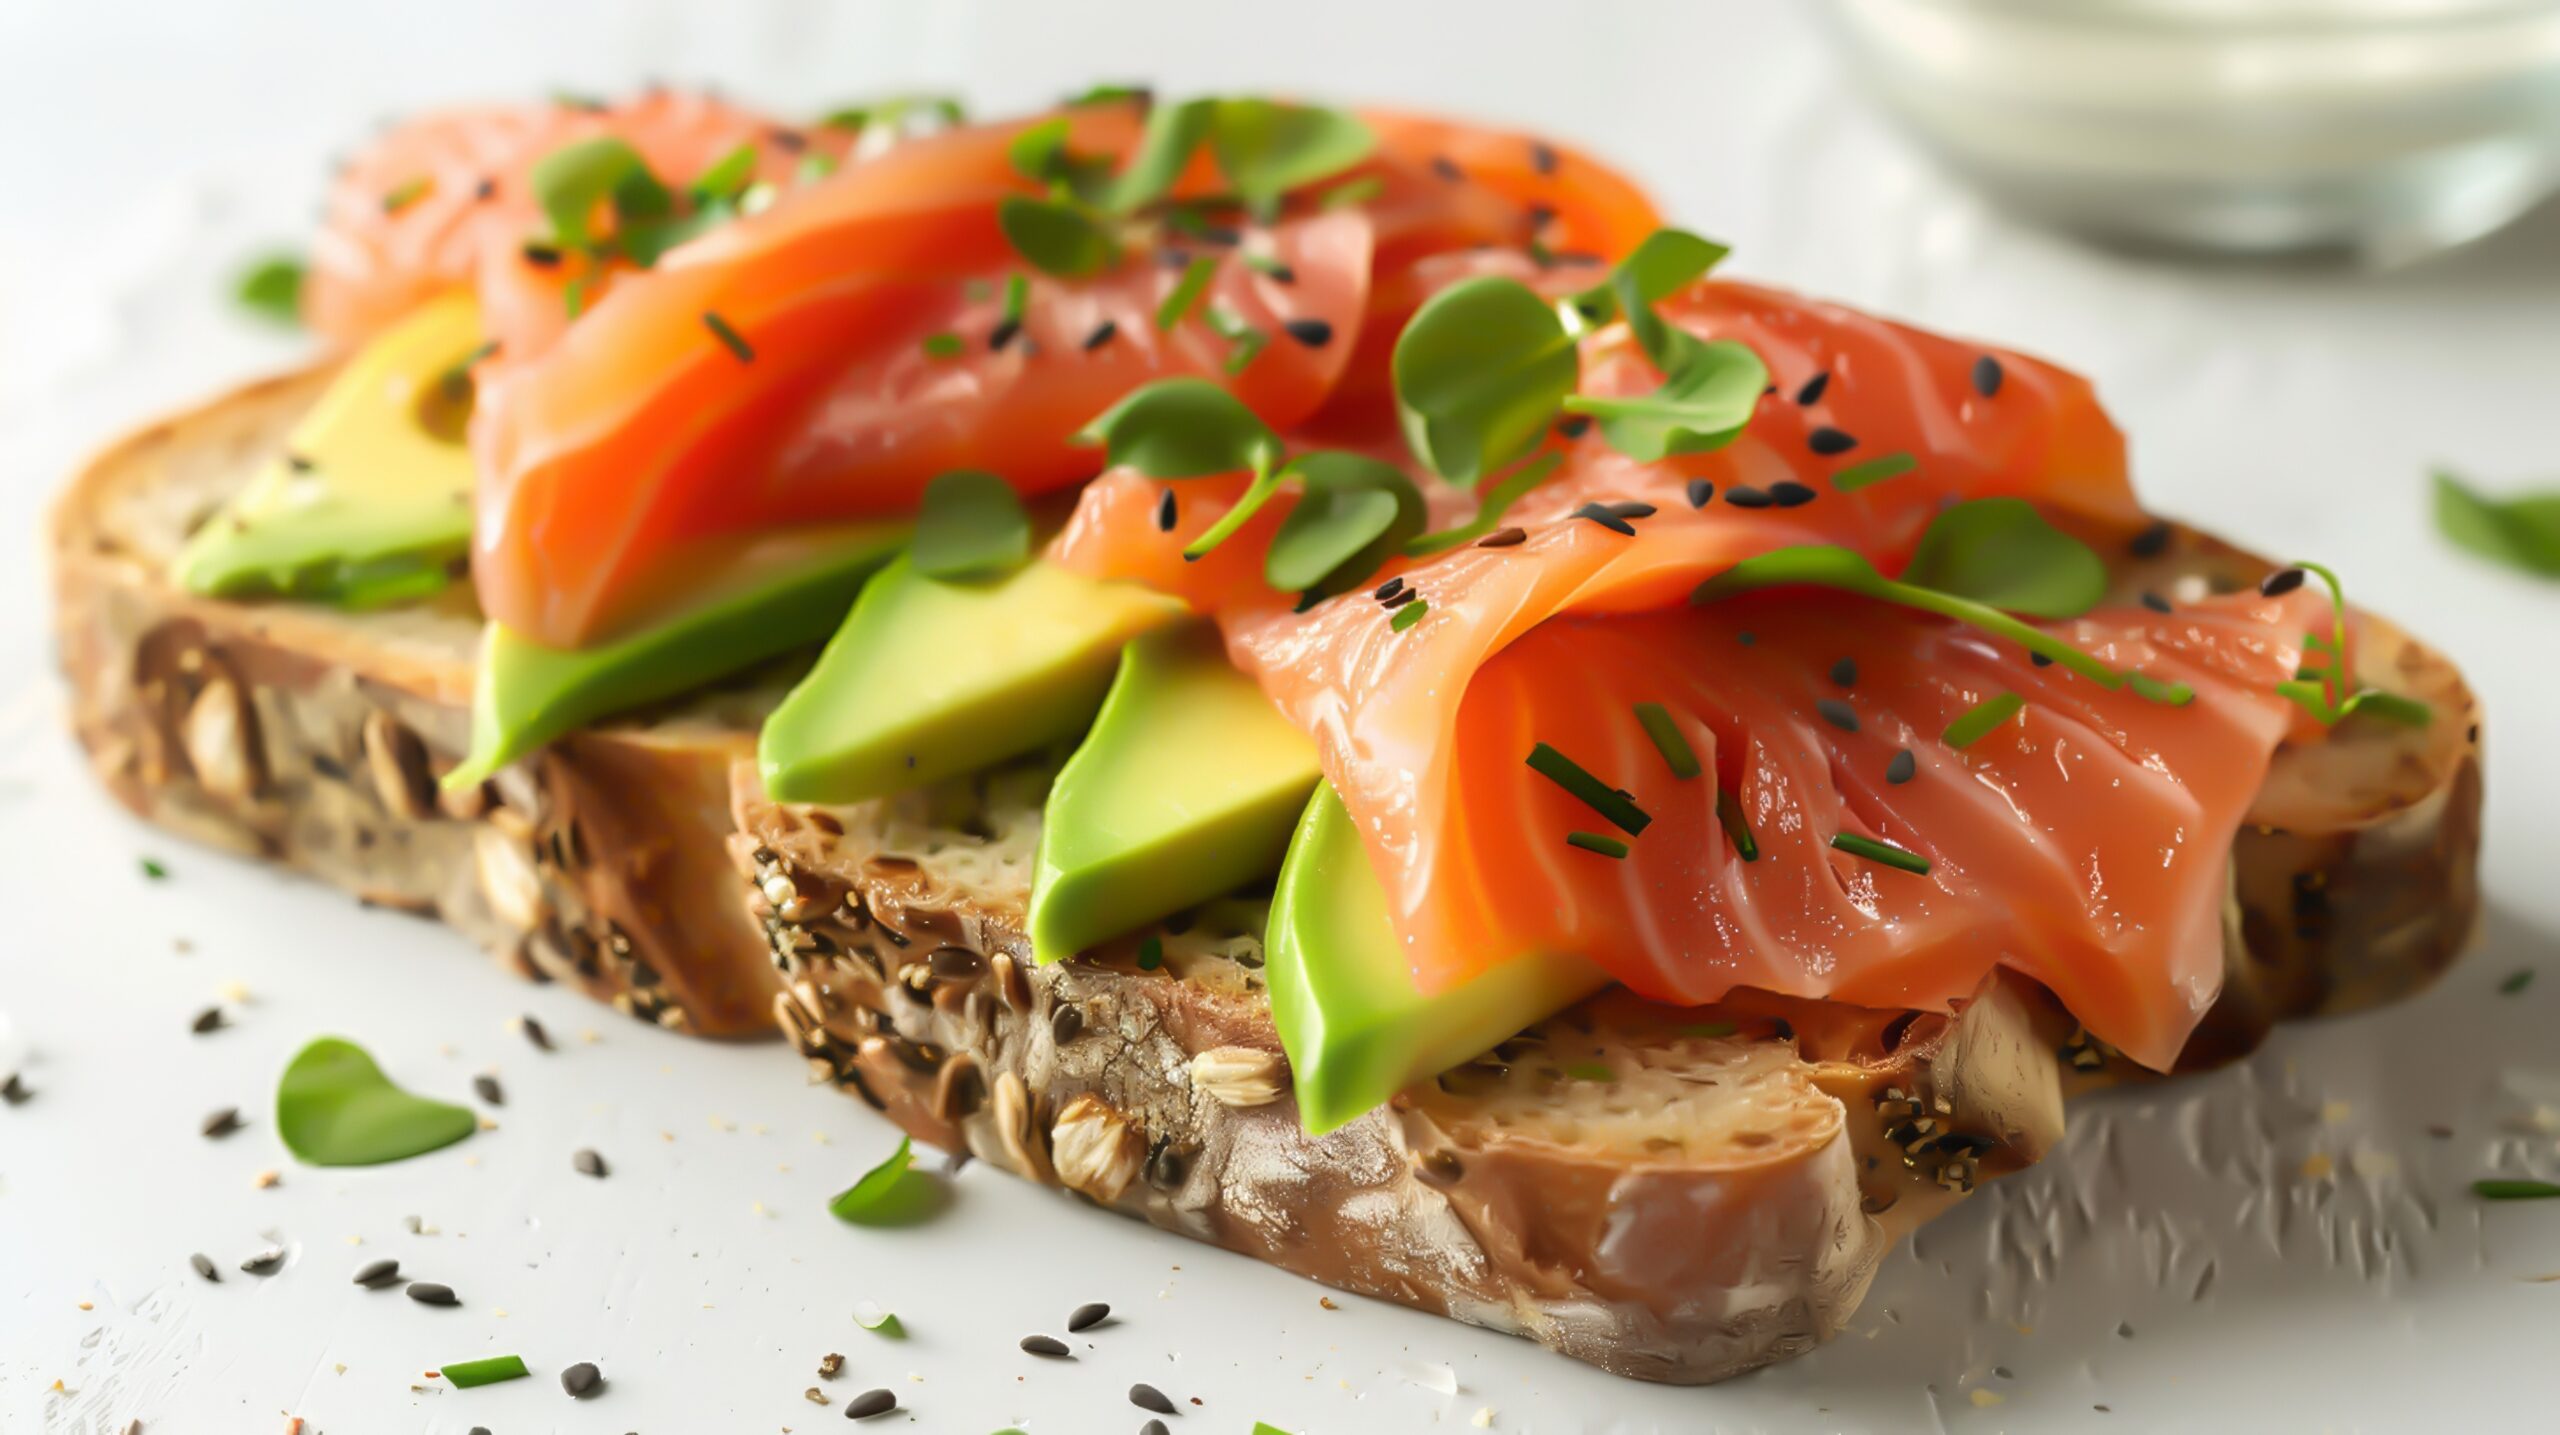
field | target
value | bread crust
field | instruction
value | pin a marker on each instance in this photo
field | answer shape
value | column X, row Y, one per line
column 313, row 738
column 1664, row 1262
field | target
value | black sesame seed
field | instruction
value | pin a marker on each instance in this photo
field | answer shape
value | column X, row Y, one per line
column 204, row 1267
column 2150, row 542
column 1599, row 513
column 1787, row 493
column 1542, row 157
column 1902, row 769
column 1811, row 392
column 870, row 1403
column 1103, row 333
column 1447, row 168
column 581, row 1379
column 210, row 1019
column 788, row 141
column 1175, row 259
column 1147, row 1397
column 1631, row 508
column 377, row 1274
column 1746, row 637
column 1700, row 491
column 2280, row 582
column 1314, row 333
column 1743, row 495
column 1986, row 376
column 542, row 256
column 1389, row 589
column 1066, row 1024
column 2040, row 660
column 1086, row 1317
column 1503, row 538
column 264, row 1263
column 587, row 1163
column 1154, row 1427
column 1826, row 440
column 13, row 1089
column 534, row 1033
column 432, row 1293
column 1045, row 1345
column 223, row 1122
column 1845, row 672
column 485, row 191
column 1166, row 513
column 1402, row 597
column 297, row 462
column 1005, row 331
column 2156, row 603
column 489, row 1090
column 1837, row 713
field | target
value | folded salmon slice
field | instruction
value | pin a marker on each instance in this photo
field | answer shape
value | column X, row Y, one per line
column 2083, row 843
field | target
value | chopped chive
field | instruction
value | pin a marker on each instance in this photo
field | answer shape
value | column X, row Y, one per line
column 1406, row 616
column 945, row 345
column 1017, row 298
column 407, row 194
column 1186, row 291
column 1736, row 826
column 1247, row 340
column 2176, row 695
column 1591, row 1071
column 1591, row 792
column 1667, row 739
column 1977, row 722
column 728, row 337
column 2516, row 981
column 1595, row 842
column 1150, row 953
column 2495, row 1190
column 1874, row 471
column 272, row 289
column 466, row 1374
column 153, row 869
column 1880, row 852
column 1350, row 192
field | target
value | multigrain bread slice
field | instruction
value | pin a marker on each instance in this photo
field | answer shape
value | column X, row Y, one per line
column 1719, row 1199
column 314, row 737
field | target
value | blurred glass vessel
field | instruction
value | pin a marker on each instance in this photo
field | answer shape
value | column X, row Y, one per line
column 2385, row 128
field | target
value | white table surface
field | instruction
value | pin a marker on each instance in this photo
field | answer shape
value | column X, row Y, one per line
column 146, row 149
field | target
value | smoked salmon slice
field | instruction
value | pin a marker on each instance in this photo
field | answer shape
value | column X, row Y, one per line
column 2082, row 841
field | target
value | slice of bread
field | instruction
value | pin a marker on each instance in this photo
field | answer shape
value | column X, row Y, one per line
column 1721, row 1201
column 314, row 737
column 1718, row 1202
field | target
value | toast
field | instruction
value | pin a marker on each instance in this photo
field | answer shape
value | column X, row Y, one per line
column 887, row 940
column 314, row 737
column 1568, row 1211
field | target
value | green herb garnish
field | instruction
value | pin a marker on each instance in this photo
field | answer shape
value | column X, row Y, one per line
column 1352, row 192
column 2523, row 532
column 1666, row 262
column 1480, row 372
column 1057, row 237
column 1408, row 615
column 401, row 196
column 571, row 181
column 467, row 1373
column 882, row 1323
column 1017, row 301
column 1355, row 513
column 2319, row 694
column 1605, row 845
column 2516, row 981
column 334, row 1107
column 2513, row 1190
column 1980, row 720
column 1184, row 428
column 729, row 337
column 945, row 345
column 1186, row 291
column 1884, row 853
column 1150, row 952
column 728, row 176
column 1874, row 471
column 1244, row 340
column 272, row 289
column 1667, row 739
column 1591, row 792
column 1266, row 149
column 896, row 111
column 970, row 524
column 2000, row 551
column 892, row 1193
column 1706, row 399
column 1736, row 826
column 153, row 869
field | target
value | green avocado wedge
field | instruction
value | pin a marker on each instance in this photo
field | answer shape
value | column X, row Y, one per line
column 370, row 503
column 775, row 594
column 1356, row 1028
column 1186, row 789
column 932, row 678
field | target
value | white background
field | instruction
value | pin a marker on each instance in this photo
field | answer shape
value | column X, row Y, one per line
column 145, row 150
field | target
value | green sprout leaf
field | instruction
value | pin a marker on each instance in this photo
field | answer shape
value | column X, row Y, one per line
column 882, row 1323
column 1668, row 261
column 1266, row 149
column 1355, row 514
column 1184, row 428
column 728, row 176
column 971, row 524
column 1479, row 374
column 892, row 1193
column 1057, row 236
column 334, row 1107
column 1164, row 150
column 2317, row 691
column 897, row 112
column 571, row 181
column 272, row 290
column 1040, row 153
column 2522, row 533
column 1705, row 403
column 2001, row 552
column 1186, row 291
column 466, row 1374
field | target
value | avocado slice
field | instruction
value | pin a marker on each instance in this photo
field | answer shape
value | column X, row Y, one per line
column 929, row 679
column 1186, row 789
column 762, row 598
column 1356, row 1028
column 370, row 503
